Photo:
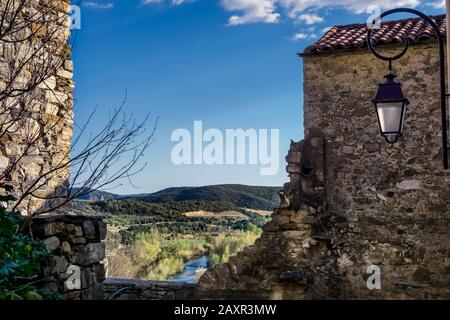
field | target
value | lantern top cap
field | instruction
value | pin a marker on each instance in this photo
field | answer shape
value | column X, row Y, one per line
column 390, row 91
column 390, row 78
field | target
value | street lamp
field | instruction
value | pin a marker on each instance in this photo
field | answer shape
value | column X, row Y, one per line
column 390, row 103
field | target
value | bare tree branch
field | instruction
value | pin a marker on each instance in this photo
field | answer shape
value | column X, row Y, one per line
column 31, row 63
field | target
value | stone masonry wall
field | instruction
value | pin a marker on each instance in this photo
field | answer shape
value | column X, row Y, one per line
column 392, row 201
column 49, row 106
column 76, row 244
column 123, row 289
column 294, row 258
column 353, row 200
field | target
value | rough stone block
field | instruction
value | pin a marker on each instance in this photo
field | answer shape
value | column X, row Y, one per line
column 295, row 234
column 102, row 230
column 88, row 278
column 68, row 65
column 372, row 147
column 73, row 295
column 77, row 240
column 53, row 228
column 422, row 275
column 89, row 254
column 347, row 150
column 294, row 157
column 65, row 246
column 4, row 163
column 280, row 219
column 100, row 272
column 52, row 243
column 65, row 74
column 93, row 293
column 58, row 265
column 409, row 185
column 78, row 231
column 89, row 230
column 293, row 169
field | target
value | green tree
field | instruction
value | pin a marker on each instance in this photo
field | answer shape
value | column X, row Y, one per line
column 146, row 247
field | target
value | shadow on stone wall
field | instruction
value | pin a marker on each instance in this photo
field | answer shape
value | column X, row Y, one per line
column 78, row 252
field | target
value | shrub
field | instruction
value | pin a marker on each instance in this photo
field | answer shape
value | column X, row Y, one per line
column 146, row 247
column 166, row 267
column 225, row 246
column 20, row 260
column 156, row 256
column 186, row 248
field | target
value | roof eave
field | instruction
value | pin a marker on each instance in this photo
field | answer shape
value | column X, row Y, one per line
column 351, row 50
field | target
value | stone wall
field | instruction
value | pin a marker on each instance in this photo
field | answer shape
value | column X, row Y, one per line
column 124, row 289
column 41, row 140
column 294, row 258
column 393, row 201
column 353, row 200
column 76, row 270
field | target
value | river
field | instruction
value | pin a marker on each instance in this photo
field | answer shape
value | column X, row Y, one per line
column 191, row 268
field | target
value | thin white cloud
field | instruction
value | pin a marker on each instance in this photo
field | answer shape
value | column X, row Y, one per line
column 177, row 2
column 310, row 18
column 268, row 11
column 438, row 4
column 326, row 29
column 303, row 36
column 251, row 11
column 97, row 5
column 174, row 2
column 299, row 36
column 296, row 7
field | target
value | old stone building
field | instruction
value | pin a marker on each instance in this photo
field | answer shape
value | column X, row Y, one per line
column 36, row 95
column 355, row 201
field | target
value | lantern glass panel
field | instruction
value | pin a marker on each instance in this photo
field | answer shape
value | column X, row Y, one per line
column 391, row 116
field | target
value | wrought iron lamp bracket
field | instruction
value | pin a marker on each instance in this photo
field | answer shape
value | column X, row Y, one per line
column 442, row 79
column 380, row 56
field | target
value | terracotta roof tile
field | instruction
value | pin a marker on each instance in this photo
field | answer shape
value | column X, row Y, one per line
column 354, row 36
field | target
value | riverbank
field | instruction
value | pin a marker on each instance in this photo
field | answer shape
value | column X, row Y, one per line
column 193, row 270
column 153, row 255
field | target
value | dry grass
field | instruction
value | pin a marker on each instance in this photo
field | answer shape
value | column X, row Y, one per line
column 221, row 214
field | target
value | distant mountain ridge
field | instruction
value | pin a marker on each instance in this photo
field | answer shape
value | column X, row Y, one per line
column 257, row 197
column 243, row 196
column 100, row 196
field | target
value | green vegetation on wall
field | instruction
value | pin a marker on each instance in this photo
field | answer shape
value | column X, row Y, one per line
column 20, row 260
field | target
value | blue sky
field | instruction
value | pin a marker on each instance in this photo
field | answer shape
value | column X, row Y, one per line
column 230, row 63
